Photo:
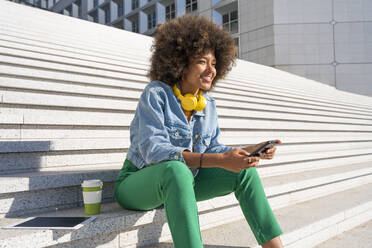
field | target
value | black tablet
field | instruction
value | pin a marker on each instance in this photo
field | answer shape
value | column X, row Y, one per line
column 52, row 222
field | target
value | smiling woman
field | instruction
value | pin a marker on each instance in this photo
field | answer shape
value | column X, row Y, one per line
column 175, row 157
column 184, row 39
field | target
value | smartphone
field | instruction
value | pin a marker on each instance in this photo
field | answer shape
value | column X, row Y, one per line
column 265, row 146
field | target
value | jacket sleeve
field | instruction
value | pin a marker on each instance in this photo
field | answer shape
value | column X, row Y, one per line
column 154, row 141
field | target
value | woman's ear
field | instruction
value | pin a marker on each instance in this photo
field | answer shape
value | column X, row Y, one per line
column 184, row 73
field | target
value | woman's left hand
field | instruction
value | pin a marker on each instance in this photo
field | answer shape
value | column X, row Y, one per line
column 270, row 152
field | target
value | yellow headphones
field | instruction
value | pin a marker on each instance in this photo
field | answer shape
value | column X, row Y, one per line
column 190, row 102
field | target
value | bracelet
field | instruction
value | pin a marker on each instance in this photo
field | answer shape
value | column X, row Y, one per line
column 201, row 160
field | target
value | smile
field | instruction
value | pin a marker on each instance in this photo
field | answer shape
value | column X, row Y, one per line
column 208, row 79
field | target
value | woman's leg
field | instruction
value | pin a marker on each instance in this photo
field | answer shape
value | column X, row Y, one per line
column 170, row 183
column 213, row 182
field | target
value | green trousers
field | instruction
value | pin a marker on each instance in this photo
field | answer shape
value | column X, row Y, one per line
column 171, row 183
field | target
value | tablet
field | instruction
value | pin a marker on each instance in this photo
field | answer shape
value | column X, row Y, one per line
column 52, row 222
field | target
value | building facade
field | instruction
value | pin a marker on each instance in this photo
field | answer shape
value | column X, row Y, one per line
column 43, row 4
column 326, row 40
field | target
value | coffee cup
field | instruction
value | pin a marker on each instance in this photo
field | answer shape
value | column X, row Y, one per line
column 92, row 195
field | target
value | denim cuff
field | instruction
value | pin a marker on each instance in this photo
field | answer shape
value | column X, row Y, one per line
column 177, row 154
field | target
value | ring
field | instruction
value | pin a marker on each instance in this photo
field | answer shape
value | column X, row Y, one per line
column 249, row 160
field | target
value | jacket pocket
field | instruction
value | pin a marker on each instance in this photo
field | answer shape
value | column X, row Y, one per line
column 202, row 143
column 179, row 137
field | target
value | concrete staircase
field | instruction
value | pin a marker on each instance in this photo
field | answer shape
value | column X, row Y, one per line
column 68, row 91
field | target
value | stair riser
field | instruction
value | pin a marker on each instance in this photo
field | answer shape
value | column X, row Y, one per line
column 34, row 202
column 327, row 231
column 11, row 163
column 312, row 193
column 56, row 179
column 311, row 165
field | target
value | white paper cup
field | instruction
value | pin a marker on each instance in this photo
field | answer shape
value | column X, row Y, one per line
column 92, row 195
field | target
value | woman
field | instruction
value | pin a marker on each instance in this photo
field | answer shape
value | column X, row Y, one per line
column 175, row 158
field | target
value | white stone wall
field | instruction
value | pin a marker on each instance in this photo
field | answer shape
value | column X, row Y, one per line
column 304, row 40
column 326, row 40
column 205, row 8
column 256, row 31
column 353, row 45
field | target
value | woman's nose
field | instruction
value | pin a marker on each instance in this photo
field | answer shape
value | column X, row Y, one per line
column 210, row 67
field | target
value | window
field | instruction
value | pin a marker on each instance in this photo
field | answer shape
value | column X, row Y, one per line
column 120, row 8
column 151, row 20
column 135, row 4
column 68, row 10
column 95, row 3
column 80, row 10
column 107, row 14
column 135, row 26
column 191, row 5
column 37, row 3
column 119, row 25
column 170, row 11
column 93, row 16
column 237, row 45
column 230, row 22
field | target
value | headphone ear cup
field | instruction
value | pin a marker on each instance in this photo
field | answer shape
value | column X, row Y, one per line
column 189, row 102
column 201, row 103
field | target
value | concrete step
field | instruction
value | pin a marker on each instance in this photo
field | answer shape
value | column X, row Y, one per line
column 284, row 81
column 73, row 96
column 84, row 45
column 358, row 237
column 145, row 227
column 52, row 188
column 20, row 163
column 39, row 154
column 307, row 224
column 76, row 40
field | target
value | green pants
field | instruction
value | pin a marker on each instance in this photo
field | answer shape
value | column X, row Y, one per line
column 171, row 183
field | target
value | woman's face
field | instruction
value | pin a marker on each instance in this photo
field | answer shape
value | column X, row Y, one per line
column 200, row 74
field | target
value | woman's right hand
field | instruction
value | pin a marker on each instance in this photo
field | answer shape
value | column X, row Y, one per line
column 237, row 160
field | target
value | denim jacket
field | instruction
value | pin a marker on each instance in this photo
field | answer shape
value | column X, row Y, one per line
column 160, row 130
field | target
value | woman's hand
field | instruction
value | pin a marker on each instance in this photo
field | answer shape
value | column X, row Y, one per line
column 237, row 160
column 270, row 152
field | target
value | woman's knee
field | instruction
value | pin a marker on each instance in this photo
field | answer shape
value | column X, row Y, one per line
column 249, row 177
column 178, row 172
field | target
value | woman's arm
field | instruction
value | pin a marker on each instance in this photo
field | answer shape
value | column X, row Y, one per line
column 233, row 160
